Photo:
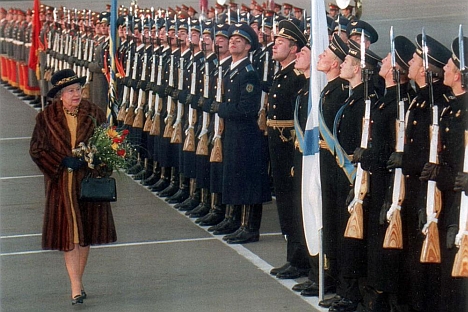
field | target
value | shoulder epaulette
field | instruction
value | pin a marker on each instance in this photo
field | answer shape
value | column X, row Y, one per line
column 298, row 72
column 249, row 68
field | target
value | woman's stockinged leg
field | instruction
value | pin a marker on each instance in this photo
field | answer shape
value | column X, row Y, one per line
column 75, row 261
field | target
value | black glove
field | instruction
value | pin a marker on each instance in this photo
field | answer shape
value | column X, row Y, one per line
column 73, row 163
column 350, row 197
column 452, row 231
column 126, row 81
column 201, row 101
column 168, row 90
column 383, row 212
column 188, row 99
column 358, row 154
column 142, row 85
column 214, row 107
column 461, row 182
column 422, row 218
column 149, row 86
column 430, row 172
column 265, row 86
column 175, row 94
column 395, row 160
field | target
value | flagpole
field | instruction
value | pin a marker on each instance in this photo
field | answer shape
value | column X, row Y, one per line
column 112, row 106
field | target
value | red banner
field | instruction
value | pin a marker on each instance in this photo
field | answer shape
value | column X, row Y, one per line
column 36, row 29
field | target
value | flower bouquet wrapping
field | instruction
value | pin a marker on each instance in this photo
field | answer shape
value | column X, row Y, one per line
column 107, row 150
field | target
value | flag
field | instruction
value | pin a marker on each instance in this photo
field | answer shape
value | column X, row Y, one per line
column 311, row 188
column 113, row 106
column 35, row 42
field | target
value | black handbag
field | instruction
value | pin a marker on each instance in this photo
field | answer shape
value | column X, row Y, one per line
column 98, row 189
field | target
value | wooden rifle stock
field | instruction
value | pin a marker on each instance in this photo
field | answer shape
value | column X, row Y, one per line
column 156, row 122
column 189, row 143
column 460, row 265
column 430, row 252
column 394, row 235
column 130, row 115
column 139, row 117
column 140, row 114
column 217, row 150
column 148, row 121
column 355, row 225
column 202, row 147
column 169, row 129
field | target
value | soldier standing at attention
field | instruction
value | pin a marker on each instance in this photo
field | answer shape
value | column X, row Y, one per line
column 333, row 179
column 244, row 175
column 280, row 128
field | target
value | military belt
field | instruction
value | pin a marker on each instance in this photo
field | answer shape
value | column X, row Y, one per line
column 280, row 123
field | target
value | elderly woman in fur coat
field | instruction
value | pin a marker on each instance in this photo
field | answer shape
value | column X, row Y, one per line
column 70, row 225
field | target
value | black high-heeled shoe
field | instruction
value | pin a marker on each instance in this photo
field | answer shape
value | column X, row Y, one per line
column 78, row 299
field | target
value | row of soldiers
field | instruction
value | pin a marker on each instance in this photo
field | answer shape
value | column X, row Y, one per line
column 216, row 108
column 15, row 48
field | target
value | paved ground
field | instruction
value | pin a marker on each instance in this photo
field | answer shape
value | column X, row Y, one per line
column 162, row 260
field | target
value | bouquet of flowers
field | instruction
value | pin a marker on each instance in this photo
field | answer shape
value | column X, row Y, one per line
column 108, row 149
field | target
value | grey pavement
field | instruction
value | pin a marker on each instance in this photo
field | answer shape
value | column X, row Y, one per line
column 162, row 260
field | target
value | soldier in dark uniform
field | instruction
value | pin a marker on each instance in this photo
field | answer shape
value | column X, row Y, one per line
column 351, row 257
column 453, row 78
column 160, row 105
column 203, row 132
column 422, row 280
column 218, row 211
column 452, row 125
column 333, row 179
column 184, row 54
column 384, row 265
column 280, row 125
column 189, row 97
column 244, row 174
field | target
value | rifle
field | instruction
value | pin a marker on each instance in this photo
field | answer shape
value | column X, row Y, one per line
column 217, row 150
column 262, row 112
column 394, row 234
column 168, row 130
column 88, row 75
column 202, row 147
column 139, row 111
column 156, row 124
column 177, row 133
column 149, row 114
column 431, row 247
column 189, row 143
column 123, row 105
column 130, row 115
column 355, row 226
column 85, row 55
column 460, row 264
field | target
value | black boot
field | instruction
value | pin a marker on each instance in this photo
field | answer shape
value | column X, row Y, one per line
column 230, row 223
column 250, row 228
column 154, row 177
column 163, row 181
column 181, row 194
column 136, row 167
column 173, row 186
column 216, row 213
column 145, row 171
column 204, row 207
column 193, row 200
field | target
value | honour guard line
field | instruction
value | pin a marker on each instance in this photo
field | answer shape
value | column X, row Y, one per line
column 217, row 104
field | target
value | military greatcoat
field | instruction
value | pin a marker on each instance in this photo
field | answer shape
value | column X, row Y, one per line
column 245, row 181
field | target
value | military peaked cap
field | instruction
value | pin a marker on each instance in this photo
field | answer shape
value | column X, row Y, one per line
column 355, row 51
column 290, row 31
column 437, row 54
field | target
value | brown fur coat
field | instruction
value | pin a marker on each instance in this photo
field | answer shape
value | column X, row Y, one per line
column 50, row 143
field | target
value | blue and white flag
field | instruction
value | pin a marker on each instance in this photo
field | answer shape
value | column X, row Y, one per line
column 311, row 188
